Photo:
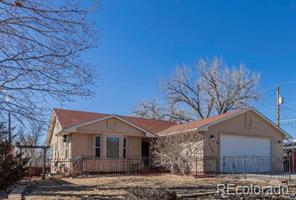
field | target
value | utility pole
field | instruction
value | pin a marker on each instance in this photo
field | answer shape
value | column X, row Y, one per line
column 279, row 101
column 278, row 106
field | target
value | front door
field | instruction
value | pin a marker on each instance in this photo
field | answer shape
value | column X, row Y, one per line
column 145, row 153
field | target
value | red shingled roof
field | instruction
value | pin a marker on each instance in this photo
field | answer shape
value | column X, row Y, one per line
column 197, row 124
column 69, row 118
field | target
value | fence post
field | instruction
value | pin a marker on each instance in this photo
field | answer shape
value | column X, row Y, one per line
column 44, row 164
column 293, row 160
column 245, row 175
column 271, row 164
column 81, row 164
column 217, row 169
column 84, row 164
column 195, row 166
column 290, row 160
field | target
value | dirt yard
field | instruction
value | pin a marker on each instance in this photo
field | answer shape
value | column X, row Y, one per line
column 118, row 187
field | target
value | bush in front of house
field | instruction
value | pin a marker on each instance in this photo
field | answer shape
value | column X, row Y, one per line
column 12, row 166
column 137, row 193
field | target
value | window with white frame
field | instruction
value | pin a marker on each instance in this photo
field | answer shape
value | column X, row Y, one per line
column 57, row 149
column 112, row 147
column 124, row 147
column 98, row 146
column 66, row 146
column 54, row 151
column 67, row 151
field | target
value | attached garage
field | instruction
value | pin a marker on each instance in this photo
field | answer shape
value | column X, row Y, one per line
column 239, row 141
column 243, row 153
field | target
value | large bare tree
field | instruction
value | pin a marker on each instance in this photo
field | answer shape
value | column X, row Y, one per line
column 212, row 87
column 41, row 50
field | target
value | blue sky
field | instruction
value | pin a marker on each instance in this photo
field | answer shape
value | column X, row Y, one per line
column 141, row 42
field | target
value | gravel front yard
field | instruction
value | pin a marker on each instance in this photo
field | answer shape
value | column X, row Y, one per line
column 118, row 187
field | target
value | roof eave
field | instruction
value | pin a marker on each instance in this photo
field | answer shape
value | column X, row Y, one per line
column 205, row 128
column 74, row 128
column 284, row 133
column 179, row 132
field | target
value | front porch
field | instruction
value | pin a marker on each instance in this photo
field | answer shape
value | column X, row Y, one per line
column 132, row 155
column 88, row 165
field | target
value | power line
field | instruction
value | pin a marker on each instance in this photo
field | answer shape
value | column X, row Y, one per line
column 293, row 127
column 279, row 84
column 279, row 103
column 290, row 109
column 287, row 83
column 289, row 104
column 288, row 120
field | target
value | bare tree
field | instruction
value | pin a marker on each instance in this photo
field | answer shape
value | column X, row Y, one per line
column 154, row 110
column 32, row 137
column 150, row 109
column 41, row 49
column 210, row 88
column 229, row 88
column 177, row 152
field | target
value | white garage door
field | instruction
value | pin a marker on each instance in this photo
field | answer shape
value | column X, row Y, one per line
column 249, row 154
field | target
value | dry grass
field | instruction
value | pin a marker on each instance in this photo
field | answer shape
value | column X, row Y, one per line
column 166, row 181
column 116, row 187
column 61, row 189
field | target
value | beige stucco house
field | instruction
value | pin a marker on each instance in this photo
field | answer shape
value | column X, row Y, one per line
column 109, row 142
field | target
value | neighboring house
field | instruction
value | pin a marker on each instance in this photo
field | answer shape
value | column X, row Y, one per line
column 290, row 155
column 112, row 141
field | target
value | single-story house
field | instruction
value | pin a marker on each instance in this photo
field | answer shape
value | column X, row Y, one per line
column 238, row 140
